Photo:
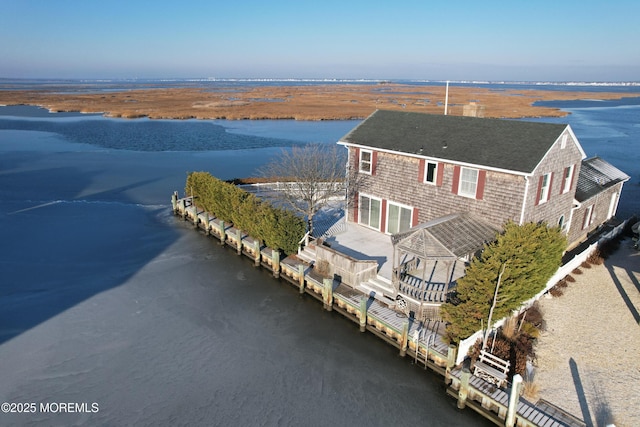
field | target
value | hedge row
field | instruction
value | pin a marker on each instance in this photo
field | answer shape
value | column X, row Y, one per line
column 277, row 228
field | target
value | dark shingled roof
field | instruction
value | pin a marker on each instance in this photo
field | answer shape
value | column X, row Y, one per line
column 503, row 144
column 595, row 176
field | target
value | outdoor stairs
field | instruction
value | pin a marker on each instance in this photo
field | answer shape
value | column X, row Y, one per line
column 308, row 254
column 380, row 288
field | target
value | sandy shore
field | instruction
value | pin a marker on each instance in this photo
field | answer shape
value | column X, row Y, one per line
column 589, row 357
column 322, row 102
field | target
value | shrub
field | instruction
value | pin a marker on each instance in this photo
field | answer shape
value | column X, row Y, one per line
column 534, row 316
column 529, row 329
column 577, row 271
column 278, row 228
column 570, row 279
column 556, row 292
column 585, row 264
column 562, row 284
column 509, row 328
column 531, row 254
column 596, row 258
column 531, row 391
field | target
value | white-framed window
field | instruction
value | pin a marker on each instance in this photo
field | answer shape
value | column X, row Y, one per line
column 369, row 211
column 587, row 217
column 468, row 182
column 568, row 177
column 365, row 161
column 430, row 172
column 398, row 217
column 545, row 184
column 562, row 223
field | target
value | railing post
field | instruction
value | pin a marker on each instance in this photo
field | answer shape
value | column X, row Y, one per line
column 301, row 278
column 514, row 398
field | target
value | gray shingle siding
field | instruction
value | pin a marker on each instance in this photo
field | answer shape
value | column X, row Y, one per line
column 511, row 158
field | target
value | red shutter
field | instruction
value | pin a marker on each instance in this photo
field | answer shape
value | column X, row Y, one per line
column 414, row 220
column 374, row 162
column 564, row 181
column 357, row 155
column 421, row 170
column 550, row 186
column 539, row 190
column 440, row 174
column 383, row 219
column 456, row 179
column 356, row 198
column 482, row 177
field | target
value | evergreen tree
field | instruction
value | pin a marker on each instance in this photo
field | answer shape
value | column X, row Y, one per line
column 531, row 252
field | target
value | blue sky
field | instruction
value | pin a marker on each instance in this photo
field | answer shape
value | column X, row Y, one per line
column 538, row 40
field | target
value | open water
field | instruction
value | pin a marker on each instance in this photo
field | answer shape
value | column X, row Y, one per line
column 107, row 299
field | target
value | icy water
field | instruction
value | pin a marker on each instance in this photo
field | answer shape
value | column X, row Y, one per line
column 107, row 299
column 111, row 304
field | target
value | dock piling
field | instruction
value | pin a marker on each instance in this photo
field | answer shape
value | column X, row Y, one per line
column 174, row 202
column 465, row 375
column 363, row 313
column 405, row 339
column 275, row 259
column 301, row 278
column 514, row 396
column 256, row 249
column 223, row 233
column 239, row 242
column 327, row 294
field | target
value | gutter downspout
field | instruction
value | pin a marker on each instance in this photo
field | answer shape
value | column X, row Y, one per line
column 524, row 201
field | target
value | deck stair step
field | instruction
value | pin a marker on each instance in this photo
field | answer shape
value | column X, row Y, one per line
column 380, row 288
column 307, row 254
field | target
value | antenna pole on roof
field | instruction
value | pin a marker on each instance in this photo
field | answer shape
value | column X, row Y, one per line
column 446, row 98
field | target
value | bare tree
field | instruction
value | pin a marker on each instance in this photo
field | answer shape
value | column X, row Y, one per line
column 311, row 175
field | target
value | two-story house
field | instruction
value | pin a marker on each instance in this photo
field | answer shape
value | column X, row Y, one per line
column 442, row 185
column 414, row 168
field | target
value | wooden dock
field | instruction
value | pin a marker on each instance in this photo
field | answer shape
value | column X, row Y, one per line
column 423, row 342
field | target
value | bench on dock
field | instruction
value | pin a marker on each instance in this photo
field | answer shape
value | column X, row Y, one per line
column 491, row 368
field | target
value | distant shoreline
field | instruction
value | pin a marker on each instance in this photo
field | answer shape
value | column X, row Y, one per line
column 336, row 101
